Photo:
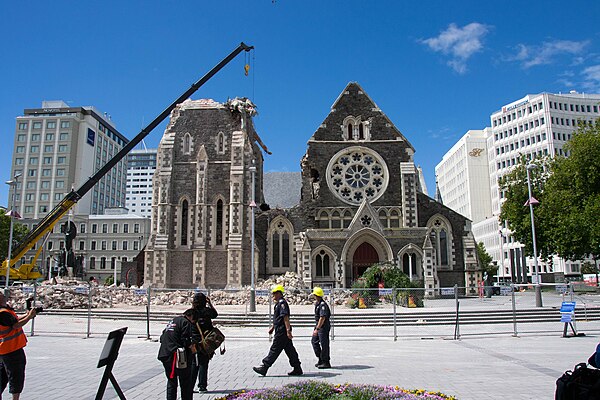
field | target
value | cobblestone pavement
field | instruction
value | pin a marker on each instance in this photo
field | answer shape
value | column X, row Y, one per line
column 524, row 367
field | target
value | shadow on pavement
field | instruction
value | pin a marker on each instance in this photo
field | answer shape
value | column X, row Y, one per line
column 351, row 367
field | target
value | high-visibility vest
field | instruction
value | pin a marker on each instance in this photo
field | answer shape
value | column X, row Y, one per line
column 11, row 339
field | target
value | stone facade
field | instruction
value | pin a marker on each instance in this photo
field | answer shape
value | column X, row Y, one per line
column 361, row 203
column 200, row 229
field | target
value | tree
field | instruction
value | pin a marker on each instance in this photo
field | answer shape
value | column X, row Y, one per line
column 572, row 202
column 485, row 262
column 19, row 232
column 568, row 189
column 516, row 193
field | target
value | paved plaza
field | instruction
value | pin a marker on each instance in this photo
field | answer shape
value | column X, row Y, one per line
column 502, row 366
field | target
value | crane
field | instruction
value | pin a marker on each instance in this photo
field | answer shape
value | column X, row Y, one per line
column 28, row 270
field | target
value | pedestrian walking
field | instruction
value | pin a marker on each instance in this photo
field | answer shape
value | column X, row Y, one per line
column 175, row 337
column 282, row 341
column 206, row 312
column 320, row 336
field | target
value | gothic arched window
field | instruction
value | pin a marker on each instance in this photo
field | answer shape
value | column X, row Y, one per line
column 219, row 228
column 187, row 145
column 322, row 264
column 441, row 240
column 281, row 243
column 220, row 143
column 184, row 223
column 443, row 247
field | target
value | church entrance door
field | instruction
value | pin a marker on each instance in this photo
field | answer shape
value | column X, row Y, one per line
column 364, row 256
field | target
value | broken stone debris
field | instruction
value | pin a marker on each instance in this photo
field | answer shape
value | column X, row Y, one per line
column 69, row 294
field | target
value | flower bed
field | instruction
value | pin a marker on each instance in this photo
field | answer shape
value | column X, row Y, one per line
column 317, row 390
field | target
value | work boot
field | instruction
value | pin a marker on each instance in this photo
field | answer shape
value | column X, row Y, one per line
column 317, row 364
column 261, row 370
column 324, row 365
column 297, row 371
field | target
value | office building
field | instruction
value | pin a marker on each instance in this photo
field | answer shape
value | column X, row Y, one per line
column 536, row 125
column 103, row 243
column 140, row 171
column 56, row 149
column 462, row 177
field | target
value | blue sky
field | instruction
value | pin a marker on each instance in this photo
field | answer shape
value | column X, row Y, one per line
column 436, row 68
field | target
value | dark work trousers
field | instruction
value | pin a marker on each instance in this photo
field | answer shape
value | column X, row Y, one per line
column 320, row 344
column 185, row 382
column 200, row 369
column 282, row 342
column 12, row 371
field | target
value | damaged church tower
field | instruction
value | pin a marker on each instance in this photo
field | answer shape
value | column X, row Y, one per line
column 200, row 218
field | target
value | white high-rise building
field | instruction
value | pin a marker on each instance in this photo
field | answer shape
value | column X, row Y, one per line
column 141, row 165
column 462, row 177
column 56, row 149
column 533, row 126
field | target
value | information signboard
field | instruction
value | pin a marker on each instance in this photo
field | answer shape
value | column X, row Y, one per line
column 447, row 291
column 81, row 290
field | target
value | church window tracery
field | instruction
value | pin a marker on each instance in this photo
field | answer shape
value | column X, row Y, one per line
column 357, row 173
column 280, row 243
column 441, row 240
column 322, row 264
column 354, row 128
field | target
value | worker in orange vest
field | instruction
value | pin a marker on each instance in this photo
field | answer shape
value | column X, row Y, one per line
column 12, row 341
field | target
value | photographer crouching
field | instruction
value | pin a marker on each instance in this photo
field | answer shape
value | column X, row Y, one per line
column 12, row 342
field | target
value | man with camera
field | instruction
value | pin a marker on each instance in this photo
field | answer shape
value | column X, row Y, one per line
column 12, row 342
column 176, row 350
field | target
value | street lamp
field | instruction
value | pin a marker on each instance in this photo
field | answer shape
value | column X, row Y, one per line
column 530, row 202
column 502, row 258
column 12, row 213
column 252, row 207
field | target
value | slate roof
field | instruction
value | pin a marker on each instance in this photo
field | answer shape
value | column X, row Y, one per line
column 282, row 189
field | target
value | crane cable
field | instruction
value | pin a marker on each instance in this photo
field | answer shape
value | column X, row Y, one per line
column 247, row 61
column 246, row 64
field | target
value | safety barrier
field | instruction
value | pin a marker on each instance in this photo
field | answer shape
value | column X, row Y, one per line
column 452, row 312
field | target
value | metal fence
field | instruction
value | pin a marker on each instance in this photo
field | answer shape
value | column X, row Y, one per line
column 362, row 312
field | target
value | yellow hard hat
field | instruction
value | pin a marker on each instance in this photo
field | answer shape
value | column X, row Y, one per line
column 317, row 291
column 278, row 288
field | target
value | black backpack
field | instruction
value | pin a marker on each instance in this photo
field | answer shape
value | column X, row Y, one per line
column 582, row 383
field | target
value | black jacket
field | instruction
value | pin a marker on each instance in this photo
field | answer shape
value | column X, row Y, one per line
column 178, row 333
column 205, row 317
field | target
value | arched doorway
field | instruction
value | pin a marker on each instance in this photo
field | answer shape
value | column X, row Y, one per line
column 364, row 256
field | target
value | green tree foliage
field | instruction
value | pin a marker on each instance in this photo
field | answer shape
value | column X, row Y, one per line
column 514, row 211
column 485, row 262
column 572, row 204
column 19, row 232
column 568, row 188
column 588, row 268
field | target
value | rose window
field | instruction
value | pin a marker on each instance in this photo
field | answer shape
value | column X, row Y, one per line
column 357, row 173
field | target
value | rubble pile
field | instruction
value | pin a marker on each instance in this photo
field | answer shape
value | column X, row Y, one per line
column 77, row 294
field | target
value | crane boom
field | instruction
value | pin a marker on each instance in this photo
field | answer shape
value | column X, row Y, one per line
column 49, row 221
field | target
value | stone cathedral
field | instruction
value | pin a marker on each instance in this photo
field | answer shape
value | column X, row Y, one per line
column 361, row 203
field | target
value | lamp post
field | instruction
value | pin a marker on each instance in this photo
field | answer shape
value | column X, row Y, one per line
column 13, row 185
column 501, row 257
column 531, row 201
column 252, row 207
